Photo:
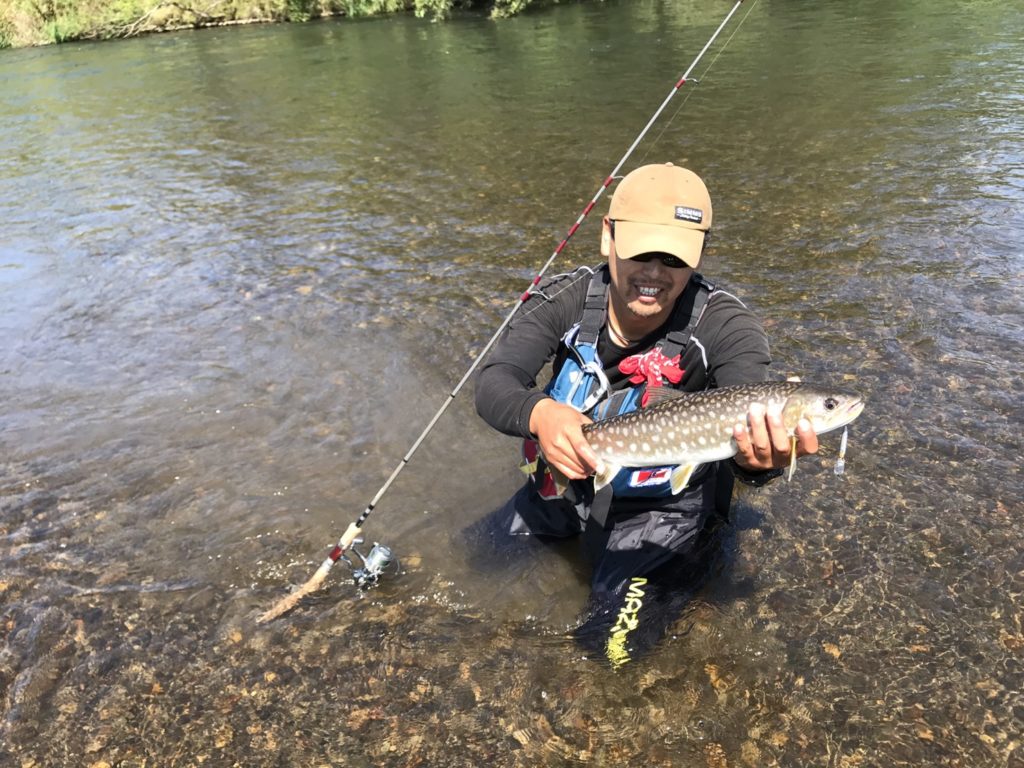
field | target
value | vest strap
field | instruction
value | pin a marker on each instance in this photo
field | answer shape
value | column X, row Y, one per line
column 696, row 296
column 601, row 506
column 594, row 308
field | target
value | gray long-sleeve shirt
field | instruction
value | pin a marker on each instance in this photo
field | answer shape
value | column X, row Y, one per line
column 728, row 347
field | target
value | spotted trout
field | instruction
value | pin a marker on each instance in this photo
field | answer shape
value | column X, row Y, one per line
column 687, row 429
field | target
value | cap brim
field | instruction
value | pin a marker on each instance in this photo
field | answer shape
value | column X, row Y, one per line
column 633, row 238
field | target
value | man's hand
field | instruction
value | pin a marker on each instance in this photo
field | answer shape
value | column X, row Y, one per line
column 559, row 431
column 766, row 444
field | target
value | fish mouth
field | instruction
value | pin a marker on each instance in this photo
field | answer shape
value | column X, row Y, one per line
column 850, row 412
column 853, row 410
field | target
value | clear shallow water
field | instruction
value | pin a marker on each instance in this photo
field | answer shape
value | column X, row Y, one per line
column 241, row 268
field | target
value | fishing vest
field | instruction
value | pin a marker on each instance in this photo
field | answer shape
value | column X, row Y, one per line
column 582, row 383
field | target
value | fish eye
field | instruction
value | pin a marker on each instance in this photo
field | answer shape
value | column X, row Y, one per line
column 831, row 403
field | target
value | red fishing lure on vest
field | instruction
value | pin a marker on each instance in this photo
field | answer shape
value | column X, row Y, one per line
column 651, row 367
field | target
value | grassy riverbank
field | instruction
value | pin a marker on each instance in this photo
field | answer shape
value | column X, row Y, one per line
column 38, row 22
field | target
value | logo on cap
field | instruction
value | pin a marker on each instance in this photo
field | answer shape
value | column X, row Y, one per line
column 685, row 213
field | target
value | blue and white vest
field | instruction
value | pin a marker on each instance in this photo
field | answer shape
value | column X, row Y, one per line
column 582, row 383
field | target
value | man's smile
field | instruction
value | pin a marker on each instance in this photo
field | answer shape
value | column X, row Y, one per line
column 648, row 293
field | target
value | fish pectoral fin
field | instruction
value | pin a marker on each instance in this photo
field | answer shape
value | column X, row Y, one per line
column 681, row 476
column 792, row 458
column 606, row 475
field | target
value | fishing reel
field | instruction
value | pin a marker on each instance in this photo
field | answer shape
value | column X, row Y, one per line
column 380, row 561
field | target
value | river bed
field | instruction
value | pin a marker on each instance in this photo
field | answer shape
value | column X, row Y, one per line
column 241, row 268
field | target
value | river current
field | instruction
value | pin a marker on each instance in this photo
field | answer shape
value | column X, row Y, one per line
column 241, row 268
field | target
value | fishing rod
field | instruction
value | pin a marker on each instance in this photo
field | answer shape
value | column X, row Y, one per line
column 376, row 561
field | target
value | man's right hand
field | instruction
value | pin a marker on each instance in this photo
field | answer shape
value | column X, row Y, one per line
column 558, row 429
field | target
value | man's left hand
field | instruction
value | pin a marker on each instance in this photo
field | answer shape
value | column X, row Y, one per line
column 766, row 444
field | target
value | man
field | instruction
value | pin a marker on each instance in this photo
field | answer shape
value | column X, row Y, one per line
column 645, row 319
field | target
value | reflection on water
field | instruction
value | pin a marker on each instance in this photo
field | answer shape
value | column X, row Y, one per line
column 241, row 268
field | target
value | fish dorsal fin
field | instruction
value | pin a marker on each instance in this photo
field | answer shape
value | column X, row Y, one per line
column 657, row 395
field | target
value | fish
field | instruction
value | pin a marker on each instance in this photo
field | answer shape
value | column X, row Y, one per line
column 687, row 429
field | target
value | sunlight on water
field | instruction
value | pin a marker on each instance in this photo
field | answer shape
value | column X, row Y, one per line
column 241, row 268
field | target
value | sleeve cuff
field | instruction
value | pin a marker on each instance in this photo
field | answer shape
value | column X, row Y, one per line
column 526, row 411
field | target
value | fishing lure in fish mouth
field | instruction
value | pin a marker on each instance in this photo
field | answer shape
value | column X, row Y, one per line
column 841, row 460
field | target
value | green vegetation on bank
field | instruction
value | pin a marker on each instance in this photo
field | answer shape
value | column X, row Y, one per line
column 37, row 22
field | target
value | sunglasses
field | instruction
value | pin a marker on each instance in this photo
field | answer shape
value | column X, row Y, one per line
column 670, row 261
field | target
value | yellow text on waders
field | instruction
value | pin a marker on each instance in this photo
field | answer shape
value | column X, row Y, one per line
column 626, row 622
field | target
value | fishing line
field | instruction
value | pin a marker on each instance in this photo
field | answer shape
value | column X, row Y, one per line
column 352, row 532
column 697, row 80
column 652, row 144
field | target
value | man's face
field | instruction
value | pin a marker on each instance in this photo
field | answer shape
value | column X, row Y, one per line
column 644, row 286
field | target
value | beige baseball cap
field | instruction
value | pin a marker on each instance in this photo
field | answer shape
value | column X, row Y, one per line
column 661, row 209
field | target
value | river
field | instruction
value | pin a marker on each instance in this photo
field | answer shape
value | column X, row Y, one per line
column 240, row 269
